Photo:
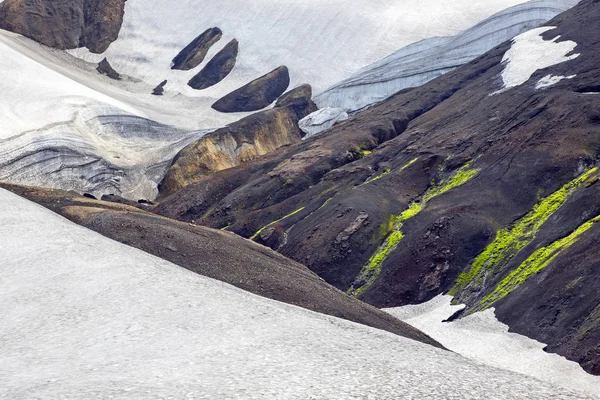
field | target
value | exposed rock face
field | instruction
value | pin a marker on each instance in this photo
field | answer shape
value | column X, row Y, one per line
column 65, row 24
column 217, row 68
column 195, row 52
column 490, row 194
column 236, row 144
column 257, row 94
column 160, row 89
column 218, row 255
column 105, row 68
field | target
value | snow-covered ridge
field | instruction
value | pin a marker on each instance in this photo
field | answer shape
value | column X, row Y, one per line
column 86, row 317
column 421, row 62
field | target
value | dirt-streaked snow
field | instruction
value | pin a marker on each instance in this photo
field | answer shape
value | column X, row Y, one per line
column 530, row 52
column 481, row 337
column 86, row 317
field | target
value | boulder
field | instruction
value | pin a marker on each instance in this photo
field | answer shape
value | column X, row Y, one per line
column 105, row 68
column 216, row 69
column 195, row 52
column 160, row 89
column 65, row 24
column 257, row 94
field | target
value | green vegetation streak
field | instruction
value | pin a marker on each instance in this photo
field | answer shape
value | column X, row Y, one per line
column 536, row 262
column 369, row 273
column 508, row 242
column 274, row 222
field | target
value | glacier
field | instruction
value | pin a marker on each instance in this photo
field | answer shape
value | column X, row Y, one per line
column 423, row 61
column 87, row 317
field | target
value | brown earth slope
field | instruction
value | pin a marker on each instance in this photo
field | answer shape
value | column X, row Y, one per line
column 446, row 188
column 220, row 255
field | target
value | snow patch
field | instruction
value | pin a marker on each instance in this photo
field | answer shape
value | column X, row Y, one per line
column 481, row 337
column 530, row 52
column 551, row 80
column 84, row 317
column 321, row 120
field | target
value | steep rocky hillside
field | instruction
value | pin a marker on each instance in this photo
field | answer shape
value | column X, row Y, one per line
column 481, row 183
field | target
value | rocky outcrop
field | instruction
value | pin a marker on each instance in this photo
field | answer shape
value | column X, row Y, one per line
column 237, row 144
column 487, row 192
column 218, row 255
column 217, row 68
column 105, row 68
column 195, row 52
column 160, row 89
column 257, row 94
column 65, row 24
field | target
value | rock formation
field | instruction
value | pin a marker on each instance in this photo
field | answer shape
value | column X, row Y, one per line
column 237, row 143
column 160, row 89
column 65, row 24
column 257, row 94
column 217, row 68
column 471, row 187
column 195, row 52
column 105, row 68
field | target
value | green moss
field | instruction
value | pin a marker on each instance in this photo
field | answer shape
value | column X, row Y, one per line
column 274, row 222
column 370, row 272
column 411, row 162
column 535, row 263
column 225, row 227
column 508, row 242
column 364, row 153
column 387, row 171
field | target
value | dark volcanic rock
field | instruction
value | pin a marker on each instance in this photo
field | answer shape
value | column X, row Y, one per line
column 195, row 52
column 218, row 255
column 65, row 24
column 105, row 68
column 160, row 89
column 300, row 99
column 444, row 171
column 216, row 69
column 257, row 94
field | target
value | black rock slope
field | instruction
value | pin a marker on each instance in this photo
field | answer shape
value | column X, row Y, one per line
column 446, row 188
column 218, row 255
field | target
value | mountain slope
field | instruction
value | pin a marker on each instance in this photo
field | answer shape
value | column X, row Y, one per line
column 479, row 174
column 218, row 255
column 423, row 61
column 88, row 317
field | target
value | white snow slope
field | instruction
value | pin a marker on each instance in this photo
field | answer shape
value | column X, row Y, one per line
column 421, row 62
column 482, row 337
column 321, row 42
column 84, row 317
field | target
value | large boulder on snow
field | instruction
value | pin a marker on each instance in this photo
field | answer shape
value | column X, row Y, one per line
column 195, row 52
column 217, row 68
column 257, row 94
column 321, row 120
